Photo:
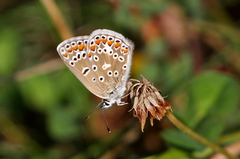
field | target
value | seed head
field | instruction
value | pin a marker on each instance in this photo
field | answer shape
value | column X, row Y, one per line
column 147, row 101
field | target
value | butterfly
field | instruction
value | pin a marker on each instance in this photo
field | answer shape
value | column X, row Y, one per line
column 101, row 61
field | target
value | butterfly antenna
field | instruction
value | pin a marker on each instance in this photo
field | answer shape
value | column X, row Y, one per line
column 109, row 131
column 93, row 110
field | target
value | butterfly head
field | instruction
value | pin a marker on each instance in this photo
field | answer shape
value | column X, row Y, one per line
column 107, row 103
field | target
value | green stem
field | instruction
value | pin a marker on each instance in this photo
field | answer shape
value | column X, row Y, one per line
column 197, row 137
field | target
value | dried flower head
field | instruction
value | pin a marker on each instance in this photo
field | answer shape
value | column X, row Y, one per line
column 147, row 101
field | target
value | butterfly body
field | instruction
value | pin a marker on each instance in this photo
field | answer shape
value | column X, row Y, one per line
column 101, row 61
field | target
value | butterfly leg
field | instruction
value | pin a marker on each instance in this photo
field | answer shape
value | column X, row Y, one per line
column 121, row 103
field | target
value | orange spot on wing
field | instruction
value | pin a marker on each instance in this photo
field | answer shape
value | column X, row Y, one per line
column 126, row 50
column 117, row 45
column 80, row 47
column 104, row 41
column 69, row 50
column 65, row 55
column 89, row 54
column 122, row 49
column 92, row 47
column 110, row 42
column 85, row 46
column 98, row 41
column 75, row 47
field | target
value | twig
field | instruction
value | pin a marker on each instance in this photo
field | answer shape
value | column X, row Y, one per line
column 197, row 137
column 57, row 19
column 233, row 149
column 42, row 68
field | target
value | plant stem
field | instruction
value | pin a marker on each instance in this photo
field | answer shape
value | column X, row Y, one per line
column 57, row 18
column 197, row 137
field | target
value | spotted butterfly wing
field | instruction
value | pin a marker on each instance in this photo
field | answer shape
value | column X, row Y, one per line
column 111, row 56
column 100, row 61
column 73, row 53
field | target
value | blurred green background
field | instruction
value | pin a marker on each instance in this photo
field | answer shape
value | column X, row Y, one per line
column 189, row 49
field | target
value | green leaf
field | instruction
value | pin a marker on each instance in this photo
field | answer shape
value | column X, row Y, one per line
column 211, row 91
column 9, row 46
column 195, row 8
column 179, row 139
column 151, row 71
column 75, row 93
column 211, row 128
column 156, row 47
column 62, row 124
column 39, row 92
column 137, row 11
column 228, row 100
column 178, row 71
